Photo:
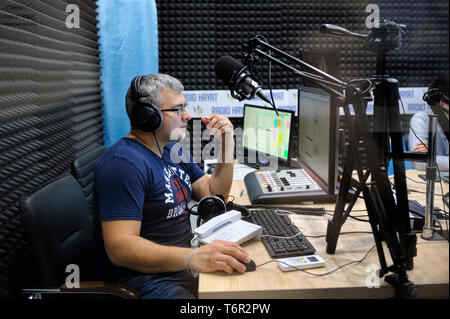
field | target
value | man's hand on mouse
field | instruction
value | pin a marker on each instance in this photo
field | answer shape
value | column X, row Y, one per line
column 220, row 255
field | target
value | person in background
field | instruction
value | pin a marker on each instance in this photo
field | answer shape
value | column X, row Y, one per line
column 418, row 133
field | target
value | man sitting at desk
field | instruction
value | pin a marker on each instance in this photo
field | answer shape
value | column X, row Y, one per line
column 418, row 133
column 141, row 224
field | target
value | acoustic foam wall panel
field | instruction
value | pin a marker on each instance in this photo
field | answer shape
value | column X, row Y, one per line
column 50, row 112
column 194, row 34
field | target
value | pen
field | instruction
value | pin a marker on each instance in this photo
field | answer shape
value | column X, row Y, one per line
column 242, row 192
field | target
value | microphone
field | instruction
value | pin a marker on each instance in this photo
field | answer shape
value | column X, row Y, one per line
column 239, row 80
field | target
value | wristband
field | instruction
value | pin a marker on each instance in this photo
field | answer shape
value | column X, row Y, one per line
column 190, row 258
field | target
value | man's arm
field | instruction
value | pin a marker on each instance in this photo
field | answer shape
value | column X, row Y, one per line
column 418, row 133
column 222, row 176
column 120, row 192
column 126, row 248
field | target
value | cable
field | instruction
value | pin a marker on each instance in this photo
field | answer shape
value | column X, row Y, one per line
column 358, row 219
column 344, row 233
column 413, row 180
column 369, row 88
column 353, row 210
column 347, row 264
column 414, row 191
column 270, row 69
column 443, row 204
column 233, row 198
column 354, row 217
column 282, row 237
column 324, row 274
column 177, row 179
column 315, row 236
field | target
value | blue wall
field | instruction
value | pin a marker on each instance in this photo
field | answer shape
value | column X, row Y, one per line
column 129, row 46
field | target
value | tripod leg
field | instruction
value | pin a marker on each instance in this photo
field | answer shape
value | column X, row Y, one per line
column 401, row 218
column 382, row 206
column 335, row 224
column 340, row 213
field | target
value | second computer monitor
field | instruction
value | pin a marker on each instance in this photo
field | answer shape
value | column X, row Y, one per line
column 317, row 135
column 267, row 133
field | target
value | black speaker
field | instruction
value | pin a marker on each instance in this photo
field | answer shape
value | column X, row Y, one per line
column 144, row 115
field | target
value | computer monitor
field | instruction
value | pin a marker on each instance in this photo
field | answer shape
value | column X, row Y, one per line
column 267, row 133
column 317, row 136
column 326, row 60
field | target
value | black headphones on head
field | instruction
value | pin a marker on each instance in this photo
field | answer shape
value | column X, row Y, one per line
column 144, row 115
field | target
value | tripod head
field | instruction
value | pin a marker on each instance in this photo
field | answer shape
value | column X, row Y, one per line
column 388, row 37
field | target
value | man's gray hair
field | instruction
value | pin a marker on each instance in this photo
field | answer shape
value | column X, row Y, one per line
column 151, row 86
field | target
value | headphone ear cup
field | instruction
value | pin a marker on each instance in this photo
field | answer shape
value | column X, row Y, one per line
column 147, row 117
column 210, row 207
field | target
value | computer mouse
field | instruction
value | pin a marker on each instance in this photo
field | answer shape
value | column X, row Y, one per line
column 251, row 266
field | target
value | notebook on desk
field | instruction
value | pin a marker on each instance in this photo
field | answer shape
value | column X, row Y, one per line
column 314, row 180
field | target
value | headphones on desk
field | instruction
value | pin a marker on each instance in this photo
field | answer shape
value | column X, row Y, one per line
column 211, row 206
column 144, row 115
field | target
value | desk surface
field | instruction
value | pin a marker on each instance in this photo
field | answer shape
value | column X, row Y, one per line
column 430, row 273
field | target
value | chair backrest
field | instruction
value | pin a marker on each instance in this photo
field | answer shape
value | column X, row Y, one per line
column 58, row 225
column 83, row 168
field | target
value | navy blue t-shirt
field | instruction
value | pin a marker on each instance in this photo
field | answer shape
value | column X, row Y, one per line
column 132, row 183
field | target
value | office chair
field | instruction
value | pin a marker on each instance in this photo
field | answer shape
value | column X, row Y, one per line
column 58, row 225
column 83, row 168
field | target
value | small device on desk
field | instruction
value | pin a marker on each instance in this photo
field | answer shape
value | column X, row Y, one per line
column 227, row 226
column 301, row 262
column 416, row 215
column 288, row 186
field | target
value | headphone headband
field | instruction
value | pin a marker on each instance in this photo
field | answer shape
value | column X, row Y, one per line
column 144, row 115
column 136, row 87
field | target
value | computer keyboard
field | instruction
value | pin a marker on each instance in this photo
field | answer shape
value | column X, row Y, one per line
column 416, row 208
column 277, row 224
column 419, row 210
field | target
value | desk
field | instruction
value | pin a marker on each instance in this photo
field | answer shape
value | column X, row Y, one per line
column 430, row 273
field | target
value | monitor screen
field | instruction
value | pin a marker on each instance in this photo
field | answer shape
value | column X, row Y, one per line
column 317, row 132
column 266, row 132
column 327, row 60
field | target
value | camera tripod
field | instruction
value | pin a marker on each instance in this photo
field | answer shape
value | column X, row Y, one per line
column 388, row 212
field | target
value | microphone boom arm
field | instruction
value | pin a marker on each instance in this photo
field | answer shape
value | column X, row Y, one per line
column 309, row 76
column 320, row 77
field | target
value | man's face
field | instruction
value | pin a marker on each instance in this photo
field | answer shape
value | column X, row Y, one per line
column 174, row 124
